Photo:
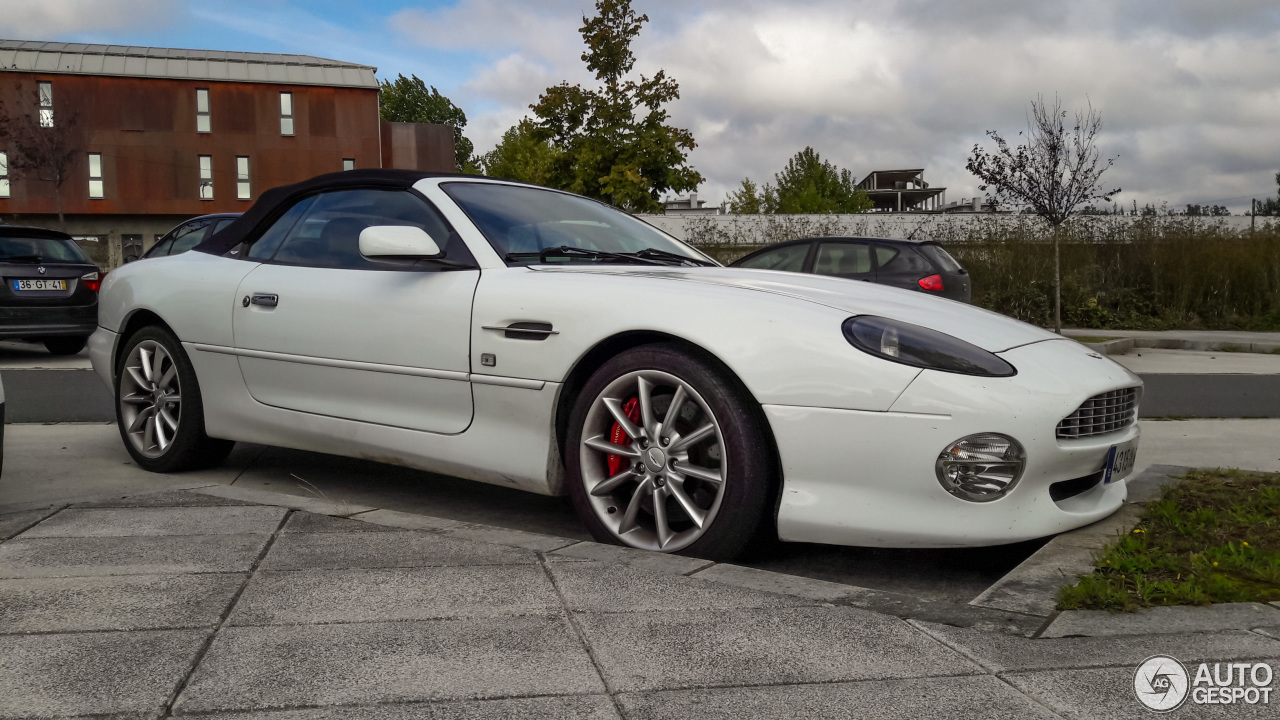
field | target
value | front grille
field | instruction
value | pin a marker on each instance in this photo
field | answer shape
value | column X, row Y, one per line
column 1101, row 414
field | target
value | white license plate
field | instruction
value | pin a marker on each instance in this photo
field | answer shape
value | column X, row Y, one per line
column 1119, row 461
column 24, row 285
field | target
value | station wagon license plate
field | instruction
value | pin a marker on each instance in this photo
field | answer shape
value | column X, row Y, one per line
column 1119, row 462
column 25, row 285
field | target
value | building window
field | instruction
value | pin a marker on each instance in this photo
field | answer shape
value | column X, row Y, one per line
column 242, row 177
column 203, row 124
column 286, row 113
column 348, row 163
column 206, row 177
column 95, row 176
column 4, row 174
column 46, row 104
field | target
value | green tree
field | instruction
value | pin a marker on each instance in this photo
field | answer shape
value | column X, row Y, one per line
column 808, row 184
column 409, row 99
column 614, row 141
column 1269, row 206
column 522, row 155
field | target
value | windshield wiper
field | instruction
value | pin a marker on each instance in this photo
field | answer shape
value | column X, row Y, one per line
column 655, row 253
column 570, row 251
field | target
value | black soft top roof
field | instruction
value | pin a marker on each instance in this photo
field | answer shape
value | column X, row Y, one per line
column 20, row 231
column 274, row 202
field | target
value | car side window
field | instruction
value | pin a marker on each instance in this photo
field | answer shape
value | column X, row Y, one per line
column 843, row 259
column 267, row 243
column 789, row 258
column 905, row 261
column 328, row 235
column 221, row 224
column 160, row 249
column 188, row 237
column 885, row 255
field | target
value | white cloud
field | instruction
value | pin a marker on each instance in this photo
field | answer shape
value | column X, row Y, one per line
column 43, row 19
column 1189, row 97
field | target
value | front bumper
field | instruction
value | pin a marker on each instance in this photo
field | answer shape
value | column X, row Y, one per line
column 867, row 478
column 55, row 321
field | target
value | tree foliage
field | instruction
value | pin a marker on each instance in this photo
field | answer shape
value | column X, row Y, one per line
column 1269, row 206
column 522, row 155
column 613, row 141
column 1053, row 172
column 409, row 99
column 807, row 185
column 42, row 154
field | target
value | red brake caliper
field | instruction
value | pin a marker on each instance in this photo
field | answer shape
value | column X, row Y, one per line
column 618, row 437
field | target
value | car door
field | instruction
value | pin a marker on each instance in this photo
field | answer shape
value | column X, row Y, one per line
column 321, row 329
column 851, row 260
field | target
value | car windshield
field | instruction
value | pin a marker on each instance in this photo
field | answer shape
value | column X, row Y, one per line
column 42, row 250
column 523, row 222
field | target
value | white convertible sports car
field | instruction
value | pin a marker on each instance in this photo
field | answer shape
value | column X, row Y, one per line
column 539, row 340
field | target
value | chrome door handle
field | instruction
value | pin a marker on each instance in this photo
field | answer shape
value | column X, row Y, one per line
column 265, row 299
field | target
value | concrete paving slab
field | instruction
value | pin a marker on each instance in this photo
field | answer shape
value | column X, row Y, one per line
column 1032, row 587
column 117, row 522
column 1154, row 361
column 571, row 707
column 707, row 648
column 766, row 581
column 507, row 536
column 13, row 523
column 1096, row 535
column 1148, row 485
column 308, row 522
column 404, row 520
column 1233, row 443
column 1270, row 631
column 1107, row 694
column 630, row 557
column 297, row 502
column 69, row 557
column 964, row 615
column 131, row 602
column 593, row 586
column 165, row 498
column 347, row 596
column 303, row 551
column 282, row 666
column 94, row 673
column 1162, row 620
column 1005, row 653
column 956, row 698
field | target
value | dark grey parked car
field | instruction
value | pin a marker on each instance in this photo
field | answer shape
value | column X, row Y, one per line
column 50, row 291
column 923, row 266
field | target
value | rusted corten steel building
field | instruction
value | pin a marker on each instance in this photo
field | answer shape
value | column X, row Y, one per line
column 156, row 135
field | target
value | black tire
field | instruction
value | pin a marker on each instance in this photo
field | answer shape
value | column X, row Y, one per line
column 744, row 520
column 191, row 448
column 65, row 345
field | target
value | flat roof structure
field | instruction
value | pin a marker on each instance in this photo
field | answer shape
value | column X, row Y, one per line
column 181, row 64
column 902, row 191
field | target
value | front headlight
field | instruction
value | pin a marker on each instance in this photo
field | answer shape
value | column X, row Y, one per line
column 921, row 347
column 982, row 467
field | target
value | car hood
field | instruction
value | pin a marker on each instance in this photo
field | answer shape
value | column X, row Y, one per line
column 988, row 330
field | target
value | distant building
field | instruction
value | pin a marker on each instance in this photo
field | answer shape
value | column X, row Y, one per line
column 153, row 136
column 902, row 191
column 690, row 205
column 969, row 205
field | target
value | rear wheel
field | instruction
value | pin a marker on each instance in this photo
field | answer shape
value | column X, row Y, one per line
column 159, row 408
column 65, row 345
column 667, row 453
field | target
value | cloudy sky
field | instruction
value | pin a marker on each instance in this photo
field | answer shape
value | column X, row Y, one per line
column 1189, row 91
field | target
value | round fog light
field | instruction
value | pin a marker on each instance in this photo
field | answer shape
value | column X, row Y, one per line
column 981, row 467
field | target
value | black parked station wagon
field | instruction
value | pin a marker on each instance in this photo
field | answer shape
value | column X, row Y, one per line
column 923, row 266
column 50, row 291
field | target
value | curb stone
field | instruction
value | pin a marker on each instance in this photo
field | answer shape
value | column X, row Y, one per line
column 1162, row 620
column 1032, row 587
column 1121, row 346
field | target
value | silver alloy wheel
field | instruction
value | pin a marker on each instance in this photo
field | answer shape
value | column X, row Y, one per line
column 150, row 399
column 671, row 483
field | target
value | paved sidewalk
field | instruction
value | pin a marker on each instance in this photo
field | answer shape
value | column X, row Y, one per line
column 182, row 602
column 1235, row 337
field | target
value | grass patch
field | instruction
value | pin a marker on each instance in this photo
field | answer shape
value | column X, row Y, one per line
column 1212, row 538
column 1091, row 339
